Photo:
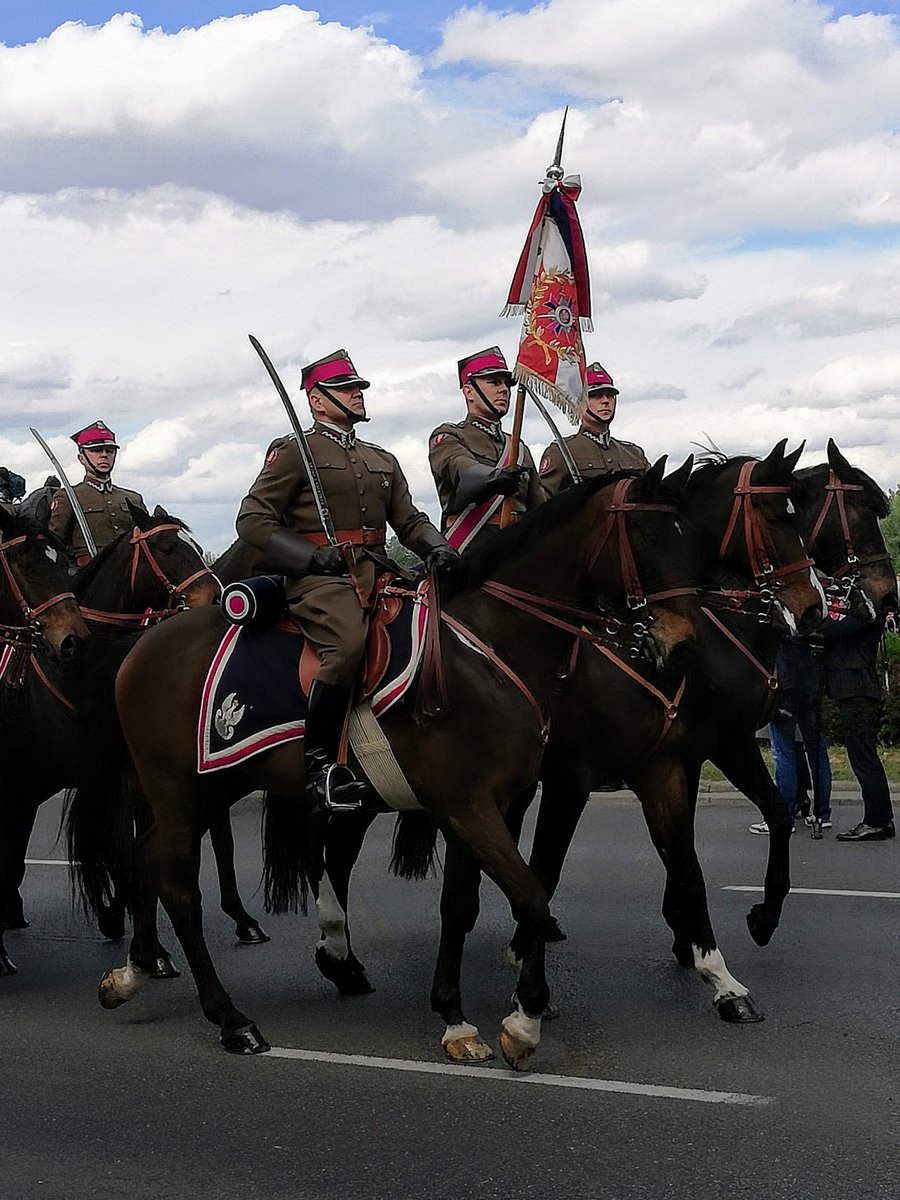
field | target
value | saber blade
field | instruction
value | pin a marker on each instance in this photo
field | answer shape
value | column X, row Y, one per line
column 70, row 492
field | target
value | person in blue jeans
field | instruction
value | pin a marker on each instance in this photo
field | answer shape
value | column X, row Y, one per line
column 799, row 672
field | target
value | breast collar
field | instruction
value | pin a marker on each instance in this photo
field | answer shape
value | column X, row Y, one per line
column 601, row 439
column 105, row 488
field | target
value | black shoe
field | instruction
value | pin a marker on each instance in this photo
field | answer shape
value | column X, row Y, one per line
column 329, row 785
column 868, row 833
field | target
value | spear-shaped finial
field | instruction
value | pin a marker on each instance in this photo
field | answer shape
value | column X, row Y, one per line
column 555, row 171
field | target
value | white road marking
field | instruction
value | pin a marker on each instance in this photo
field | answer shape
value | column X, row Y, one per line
column 576, row 1082
column 797, row 891
column 48, row 862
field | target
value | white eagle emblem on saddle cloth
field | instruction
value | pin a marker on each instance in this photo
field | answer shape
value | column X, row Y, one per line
column 252, row 697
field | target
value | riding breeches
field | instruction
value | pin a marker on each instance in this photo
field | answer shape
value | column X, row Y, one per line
column 331, row 617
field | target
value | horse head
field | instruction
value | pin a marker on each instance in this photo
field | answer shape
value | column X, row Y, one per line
column 36, row 599
column 644, row 563
column 167, row 566
column 748, row 529
column 840, row 506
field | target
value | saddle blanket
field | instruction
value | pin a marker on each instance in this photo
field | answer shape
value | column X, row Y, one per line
column 252, row 698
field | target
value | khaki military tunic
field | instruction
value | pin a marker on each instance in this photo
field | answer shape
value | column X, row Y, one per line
column 105, row 510
column 454, row 448
column 366, row 490
column 594, row 454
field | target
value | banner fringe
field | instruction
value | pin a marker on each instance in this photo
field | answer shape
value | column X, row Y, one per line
column 586, row 324
column 513, row 310
column 546, row 391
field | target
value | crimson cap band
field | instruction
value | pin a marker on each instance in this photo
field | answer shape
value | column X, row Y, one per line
column 599, row 379
column 95, row 437
column 485, row 362
column 335, row 370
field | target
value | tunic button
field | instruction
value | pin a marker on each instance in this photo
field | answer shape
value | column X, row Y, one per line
column 362, row 508
column 359, row 475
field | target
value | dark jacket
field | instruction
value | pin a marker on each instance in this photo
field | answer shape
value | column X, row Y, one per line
column 799, row 673
column 851, row 651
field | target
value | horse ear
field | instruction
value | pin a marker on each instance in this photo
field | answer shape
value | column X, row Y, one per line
column 793, row 458
column 678, row 479
column 138, row 515
column 776, row 454
column 7, row 521
column 836, row 460
column 160, row 513
column 653, row 476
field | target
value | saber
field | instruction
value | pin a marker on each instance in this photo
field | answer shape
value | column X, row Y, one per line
column 315, row 482
column 70, row 492
column 557, row 436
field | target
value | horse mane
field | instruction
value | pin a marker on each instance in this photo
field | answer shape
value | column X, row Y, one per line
column 710, row 466
column 86, row 575
column 809, row 478
column 475, row 566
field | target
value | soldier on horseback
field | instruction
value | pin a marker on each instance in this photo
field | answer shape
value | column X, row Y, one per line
column 330, row 587
column 593, row 448
column 470, row 459
column 105, row 506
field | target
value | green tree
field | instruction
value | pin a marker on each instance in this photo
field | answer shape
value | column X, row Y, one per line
column 890, row 528
column 401, row 555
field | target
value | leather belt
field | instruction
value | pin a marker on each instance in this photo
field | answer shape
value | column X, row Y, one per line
column 355, row 537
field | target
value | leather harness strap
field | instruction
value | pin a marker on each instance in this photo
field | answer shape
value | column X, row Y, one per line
column 834, row 494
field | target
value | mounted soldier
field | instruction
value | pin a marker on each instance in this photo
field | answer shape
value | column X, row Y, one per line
column 105, row 506
column 470, row 459
column 593, row 448
column 330, row 587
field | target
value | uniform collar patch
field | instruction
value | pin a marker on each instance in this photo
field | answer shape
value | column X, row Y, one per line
column 105, row 486
column 346, row 440
column 602, row 439
column 491, row 428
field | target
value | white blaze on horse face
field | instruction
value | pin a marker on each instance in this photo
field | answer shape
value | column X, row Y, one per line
column 186, row 537
column 711, row 966
column 817, row 584
column 790, row 507
column 51, row 553
column 332, row 921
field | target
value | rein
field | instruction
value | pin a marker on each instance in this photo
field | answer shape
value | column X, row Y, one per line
column 22, row 638
column 139, row 542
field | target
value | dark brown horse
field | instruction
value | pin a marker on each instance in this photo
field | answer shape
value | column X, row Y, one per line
column 747, row 543
column 502, row 644
column 40, row 623
column 142, row 578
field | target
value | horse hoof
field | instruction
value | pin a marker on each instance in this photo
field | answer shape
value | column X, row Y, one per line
column 516, row 1054
column 107, row 995
column 111, row 927
column 684, row 955
column 164, row 968
column 470, row 1049
column 761, row 925
column 7, row 966
column 553, row 933
column 739, row 1010
column 246, row 1040
column 550, row 1013
column 349, row 977
column 251, row 935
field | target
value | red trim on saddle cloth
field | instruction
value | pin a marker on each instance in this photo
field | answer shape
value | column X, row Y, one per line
column 355, row 537
column 386, row 693
column 461, row 529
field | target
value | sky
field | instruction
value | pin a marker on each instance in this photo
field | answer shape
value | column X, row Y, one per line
column 178, row 176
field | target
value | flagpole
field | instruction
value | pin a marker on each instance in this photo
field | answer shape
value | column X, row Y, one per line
column 514, row 443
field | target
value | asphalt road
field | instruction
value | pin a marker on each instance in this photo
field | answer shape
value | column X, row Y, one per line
column 144, row 1102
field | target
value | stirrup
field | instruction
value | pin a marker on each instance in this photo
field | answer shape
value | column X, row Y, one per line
column 343, row 791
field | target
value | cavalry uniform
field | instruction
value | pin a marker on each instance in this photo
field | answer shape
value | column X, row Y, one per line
column 593, row 453
column 366, row 490
column 470, row 462
column 105, row 506
column 329, row 590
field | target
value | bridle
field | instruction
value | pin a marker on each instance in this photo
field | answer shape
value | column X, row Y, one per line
column 581, row 623
column 140, row 543
column 22, row 638
column 846, row 577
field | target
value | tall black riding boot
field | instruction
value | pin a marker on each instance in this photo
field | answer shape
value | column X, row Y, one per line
column 329, row 785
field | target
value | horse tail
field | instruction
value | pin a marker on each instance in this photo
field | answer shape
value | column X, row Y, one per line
column 99, row 813
column 413, row 848
column 286, row 841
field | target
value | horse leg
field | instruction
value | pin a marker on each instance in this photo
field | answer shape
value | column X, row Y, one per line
column 459, row 911
column 344, row 837
column 17, row 815
column 745, row 767
column 666, row 803
column 247, row 929
column 147, row 957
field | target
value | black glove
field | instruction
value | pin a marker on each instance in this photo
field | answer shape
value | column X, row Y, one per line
column 507, row 480
column 328, row 560
column 440, row 558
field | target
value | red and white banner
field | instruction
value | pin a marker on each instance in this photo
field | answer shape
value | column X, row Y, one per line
column 551, row 287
